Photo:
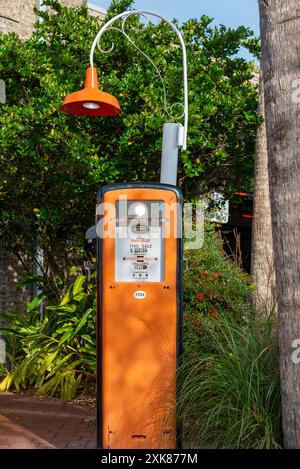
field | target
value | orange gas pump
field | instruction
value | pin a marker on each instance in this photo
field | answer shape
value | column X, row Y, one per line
column 139, row 280
column 139, row 314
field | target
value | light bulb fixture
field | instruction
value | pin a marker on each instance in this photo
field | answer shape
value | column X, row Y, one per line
column 140, row 210
column 91, row 105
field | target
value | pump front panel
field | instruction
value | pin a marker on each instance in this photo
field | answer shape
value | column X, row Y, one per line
column 139, row 316
column 139, row 254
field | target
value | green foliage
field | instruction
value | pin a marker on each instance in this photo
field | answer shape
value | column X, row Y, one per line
column 214, row 275
column 229, row 387
column 53, row 352
column 212, row 284
column 52, row 164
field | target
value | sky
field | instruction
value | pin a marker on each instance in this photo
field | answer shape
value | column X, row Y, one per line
column 231, row 13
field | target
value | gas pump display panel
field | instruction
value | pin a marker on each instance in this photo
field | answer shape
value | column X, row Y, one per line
column 139, row 315
column 139, row 253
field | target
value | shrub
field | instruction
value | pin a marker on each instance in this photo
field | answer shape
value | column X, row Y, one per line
column 229, row 388
column 212, row 284
column 52, row 352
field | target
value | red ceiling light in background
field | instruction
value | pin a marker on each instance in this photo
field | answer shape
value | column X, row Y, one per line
column 90, row 101
column 243, row 194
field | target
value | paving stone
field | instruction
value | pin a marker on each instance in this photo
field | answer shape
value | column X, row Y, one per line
column 36, row 422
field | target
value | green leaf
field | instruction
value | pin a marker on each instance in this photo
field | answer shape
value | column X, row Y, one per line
column 36, row 301
column 66, row 298
column 77, row 287
column 74, row 269
column 67, row 335
column 80, row 296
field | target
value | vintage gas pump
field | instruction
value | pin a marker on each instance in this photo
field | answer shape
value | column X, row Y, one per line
column 139, row 314
column 139, row 252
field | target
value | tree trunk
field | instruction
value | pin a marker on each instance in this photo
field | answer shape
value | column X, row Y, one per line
column 262, row 260
column 280, row 30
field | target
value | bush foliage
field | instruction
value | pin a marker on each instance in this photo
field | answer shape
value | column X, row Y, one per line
column 229, row 386
column 52, row 352
column 52, row 164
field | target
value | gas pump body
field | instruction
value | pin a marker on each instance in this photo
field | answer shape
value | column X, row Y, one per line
column 139, row 314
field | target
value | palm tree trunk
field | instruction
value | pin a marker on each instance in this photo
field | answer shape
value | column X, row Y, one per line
column 280, row 31
column 262, row 259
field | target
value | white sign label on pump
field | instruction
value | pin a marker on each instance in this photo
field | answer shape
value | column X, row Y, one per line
column 139, row 250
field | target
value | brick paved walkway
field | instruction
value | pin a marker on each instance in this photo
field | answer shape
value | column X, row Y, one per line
column 42, row 422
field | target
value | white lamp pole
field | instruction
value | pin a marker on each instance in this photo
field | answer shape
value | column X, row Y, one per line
column 174, row 134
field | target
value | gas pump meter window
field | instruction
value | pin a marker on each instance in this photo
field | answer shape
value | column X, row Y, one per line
column 139, row 244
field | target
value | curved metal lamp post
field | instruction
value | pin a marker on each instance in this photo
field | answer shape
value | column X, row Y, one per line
column 93, row 102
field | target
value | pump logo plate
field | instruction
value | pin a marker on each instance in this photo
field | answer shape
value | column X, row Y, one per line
column 139, row 294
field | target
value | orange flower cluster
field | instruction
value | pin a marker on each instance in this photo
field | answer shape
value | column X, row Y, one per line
column 197, row 324
column 214, row 313
column 206, row 276
column 200, row 296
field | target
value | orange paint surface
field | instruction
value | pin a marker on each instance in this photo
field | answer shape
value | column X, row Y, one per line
column 139, row 345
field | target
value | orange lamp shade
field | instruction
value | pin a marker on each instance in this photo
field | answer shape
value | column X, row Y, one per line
column 90, row 101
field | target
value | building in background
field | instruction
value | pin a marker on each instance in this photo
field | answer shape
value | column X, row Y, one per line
column 18, row 16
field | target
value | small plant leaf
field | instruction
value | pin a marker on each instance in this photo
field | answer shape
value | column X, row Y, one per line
column 77, row 287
